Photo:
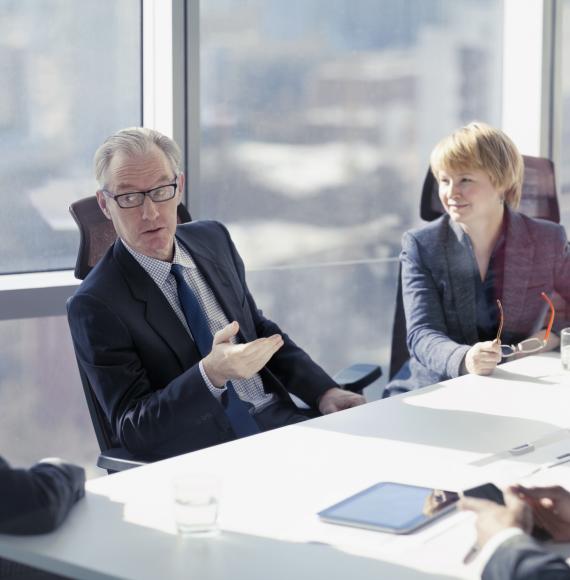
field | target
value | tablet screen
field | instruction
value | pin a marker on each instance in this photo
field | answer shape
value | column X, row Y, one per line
column 392, row 507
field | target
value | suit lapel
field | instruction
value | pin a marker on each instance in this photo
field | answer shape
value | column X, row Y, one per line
column 519, row 257
column 158, row 312
column 222, row 281
column 460, row 268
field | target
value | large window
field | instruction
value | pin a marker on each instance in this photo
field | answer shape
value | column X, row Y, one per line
column 563, row 169
column 70, row 76
column 42, row 408
column 317, row 119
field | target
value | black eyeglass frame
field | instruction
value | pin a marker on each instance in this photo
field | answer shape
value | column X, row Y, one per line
column 148, row 193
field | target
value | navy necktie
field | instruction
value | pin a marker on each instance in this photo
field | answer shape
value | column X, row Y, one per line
column 236, row 410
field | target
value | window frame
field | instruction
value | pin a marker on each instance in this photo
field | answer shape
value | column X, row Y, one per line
column 163, row 94
column 171, row 103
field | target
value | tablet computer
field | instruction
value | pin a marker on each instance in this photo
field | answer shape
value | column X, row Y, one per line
column 391, row 507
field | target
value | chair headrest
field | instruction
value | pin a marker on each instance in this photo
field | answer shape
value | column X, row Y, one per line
column 97, row 234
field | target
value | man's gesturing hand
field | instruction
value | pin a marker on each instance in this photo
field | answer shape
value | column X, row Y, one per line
column 229, row 361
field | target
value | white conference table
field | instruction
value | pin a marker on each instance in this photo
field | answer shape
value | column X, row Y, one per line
column 449, row 436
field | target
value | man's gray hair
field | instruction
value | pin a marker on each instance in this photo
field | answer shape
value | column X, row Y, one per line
column 134, row 141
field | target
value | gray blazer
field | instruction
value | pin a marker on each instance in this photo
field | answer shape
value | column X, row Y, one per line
column 521, row 558
column 439, row 291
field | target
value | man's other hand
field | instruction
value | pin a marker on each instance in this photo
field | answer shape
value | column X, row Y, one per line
column 493, row 518
column 550, row 508
column 337, row 399
column 229, row 361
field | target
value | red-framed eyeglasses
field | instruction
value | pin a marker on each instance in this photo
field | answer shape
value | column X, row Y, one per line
column 529, row 345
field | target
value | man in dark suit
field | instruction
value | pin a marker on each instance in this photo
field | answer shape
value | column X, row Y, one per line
column 175, row 348
column 36, row 501
column 503, row 533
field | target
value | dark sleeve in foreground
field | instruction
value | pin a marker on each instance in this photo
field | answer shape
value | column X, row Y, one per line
column 37, row 500
column 521, row 558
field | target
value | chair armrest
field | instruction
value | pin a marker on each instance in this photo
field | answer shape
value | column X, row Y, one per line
column 355, row 377
column 118, row 459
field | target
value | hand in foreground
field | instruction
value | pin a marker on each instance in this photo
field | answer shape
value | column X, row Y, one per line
column 483, row 357
column 337, row 399
column 492, row 518
column 73, row 473
column 550, row 508
column 229, row 361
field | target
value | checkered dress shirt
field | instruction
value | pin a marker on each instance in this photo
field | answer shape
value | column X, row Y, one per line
column 250, row 390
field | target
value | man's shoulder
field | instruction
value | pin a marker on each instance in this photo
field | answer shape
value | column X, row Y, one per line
column 202, row 229
column 208, row 238
column 103, row 278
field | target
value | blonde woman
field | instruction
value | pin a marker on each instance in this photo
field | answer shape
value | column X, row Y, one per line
column 481, row 250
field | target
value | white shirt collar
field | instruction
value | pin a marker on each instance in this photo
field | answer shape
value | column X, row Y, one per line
column 159, row 270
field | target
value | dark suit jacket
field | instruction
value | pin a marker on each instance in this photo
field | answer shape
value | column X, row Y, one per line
column 521, row 558
column 439, row 293
column 142, row 364
column 37, row 500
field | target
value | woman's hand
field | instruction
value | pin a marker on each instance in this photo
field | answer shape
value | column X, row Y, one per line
column 483, row 357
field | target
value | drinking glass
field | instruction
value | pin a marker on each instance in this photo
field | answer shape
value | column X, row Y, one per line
column 196, row 499
column 565, row 348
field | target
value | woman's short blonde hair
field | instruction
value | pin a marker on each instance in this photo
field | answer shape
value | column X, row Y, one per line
column 480, row 146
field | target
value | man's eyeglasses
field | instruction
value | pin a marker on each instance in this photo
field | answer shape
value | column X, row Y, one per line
column 529, row 345
column 136, row 198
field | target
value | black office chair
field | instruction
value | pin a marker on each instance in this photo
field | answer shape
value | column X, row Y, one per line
column 538, row 200
column 96, row 235
column 96, row 232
